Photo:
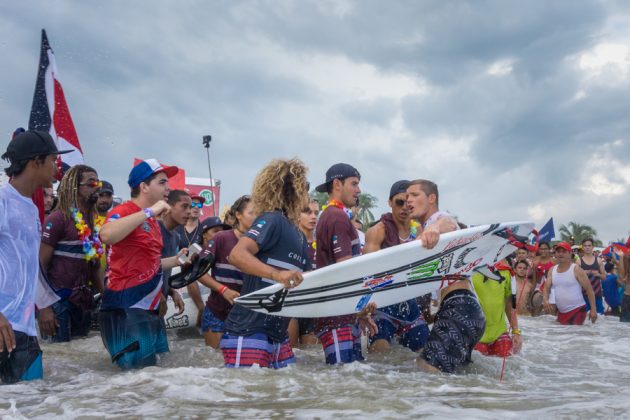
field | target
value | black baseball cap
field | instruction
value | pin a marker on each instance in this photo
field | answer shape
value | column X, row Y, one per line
column 106, row 188
column 338, row 171
column 398, row 187
column 30, row 144
column 213, row 221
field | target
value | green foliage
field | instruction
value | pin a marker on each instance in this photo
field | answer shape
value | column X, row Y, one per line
column 364, row 213
column 575, row 233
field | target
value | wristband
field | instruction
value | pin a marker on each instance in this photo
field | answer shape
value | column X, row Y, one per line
column 148, row 212
column 516, row 331
column 223, row 289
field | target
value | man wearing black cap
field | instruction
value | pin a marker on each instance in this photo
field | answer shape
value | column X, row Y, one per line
column 105, row 198
column 403, row 319
column 32, row 157
column 337, row 240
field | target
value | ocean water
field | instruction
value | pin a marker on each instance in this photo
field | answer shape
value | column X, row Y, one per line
column 562, row 372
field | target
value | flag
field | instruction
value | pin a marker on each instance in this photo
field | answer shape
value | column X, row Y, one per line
column 547, row 232
column 49, row 111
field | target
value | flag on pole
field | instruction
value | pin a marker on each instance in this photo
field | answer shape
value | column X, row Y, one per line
column 547, row 232
column 49, row 111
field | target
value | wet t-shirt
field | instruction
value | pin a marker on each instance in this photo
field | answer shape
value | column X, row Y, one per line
column 283, row 246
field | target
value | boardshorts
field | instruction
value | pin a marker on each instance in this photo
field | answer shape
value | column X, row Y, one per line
column 574, row 317
column 210, row 322
column 133, row 337
column 459, row 324
column 73, row 321
column 403, row 320
column 256, row 349
column 24, row 363
column 501, row 347
column 341, row 345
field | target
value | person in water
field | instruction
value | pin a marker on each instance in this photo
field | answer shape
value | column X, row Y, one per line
column 272, row 251
column 567, row 280
column 32, row 156
column 495, row 298
column 402, row 320
column 131, row 328
column 225, row 280
column 459, row 322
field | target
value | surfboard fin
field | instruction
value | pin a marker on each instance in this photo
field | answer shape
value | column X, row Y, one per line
column 487, row 272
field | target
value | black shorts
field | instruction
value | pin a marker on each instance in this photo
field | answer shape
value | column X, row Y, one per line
column 24, row 362
column 459, row 324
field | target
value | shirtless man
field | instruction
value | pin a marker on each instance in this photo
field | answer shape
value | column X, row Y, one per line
column 403, row 319
column 459, row 323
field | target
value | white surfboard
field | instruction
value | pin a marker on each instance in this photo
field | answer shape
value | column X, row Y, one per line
column 391, row 275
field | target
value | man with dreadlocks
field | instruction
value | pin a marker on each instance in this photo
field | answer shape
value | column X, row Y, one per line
column 273, row 250
column 70, row 252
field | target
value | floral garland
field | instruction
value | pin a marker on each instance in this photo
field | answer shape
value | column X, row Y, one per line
column 413, row 229
column 338, row 204
column 92, row 246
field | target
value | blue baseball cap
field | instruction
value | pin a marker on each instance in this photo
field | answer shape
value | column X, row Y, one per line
column 146, row 168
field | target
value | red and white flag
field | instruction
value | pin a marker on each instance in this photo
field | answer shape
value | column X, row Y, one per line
column 50, row 112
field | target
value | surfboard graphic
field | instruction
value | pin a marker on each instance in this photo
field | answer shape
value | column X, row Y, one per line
column 391, row 275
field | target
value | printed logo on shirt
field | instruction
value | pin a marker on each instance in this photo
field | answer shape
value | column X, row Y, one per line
column 260, row 224
column 146, row 227
column 48, row 225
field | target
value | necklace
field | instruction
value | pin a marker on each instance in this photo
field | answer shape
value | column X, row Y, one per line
column 92, row 246
column 191, row 239
column 338, row 204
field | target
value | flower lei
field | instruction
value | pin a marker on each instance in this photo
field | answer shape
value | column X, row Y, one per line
column 337, row 204
column 413, row 229
column 92, row 246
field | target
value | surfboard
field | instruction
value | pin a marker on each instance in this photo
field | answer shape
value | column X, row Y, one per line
column 391, row 275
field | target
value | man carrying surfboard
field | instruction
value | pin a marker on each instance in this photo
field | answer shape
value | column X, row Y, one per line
column 459, row 323
column 337, row 240
column 403, row 319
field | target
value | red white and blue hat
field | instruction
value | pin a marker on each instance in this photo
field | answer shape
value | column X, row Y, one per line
column 146, row 168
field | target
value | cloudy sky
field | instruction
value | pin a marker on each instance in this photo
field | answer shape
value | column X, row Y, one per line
column 517, row 110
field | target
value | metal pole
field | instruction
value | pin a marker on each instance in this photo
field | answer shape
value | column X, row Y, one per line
column 206, row 144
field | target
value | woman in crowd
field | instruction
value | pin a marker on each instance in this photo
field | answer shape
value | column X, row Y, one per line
column 272, row 251
column 225, row 280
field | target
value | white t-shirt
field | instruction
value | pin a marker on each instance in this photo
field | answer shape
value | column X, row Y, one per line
column 21, row 282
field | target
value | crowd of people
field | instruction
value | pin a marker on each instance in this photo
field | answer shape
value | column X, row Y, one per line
column 91, row 261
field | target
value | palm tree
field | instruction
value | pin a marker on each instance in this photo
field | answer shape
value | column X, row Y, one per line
column 320, row 197
column 364, row 214
column 575, row 233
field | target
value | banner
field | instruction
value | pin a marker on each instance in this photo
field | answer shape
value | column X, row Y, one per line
column 209, row 191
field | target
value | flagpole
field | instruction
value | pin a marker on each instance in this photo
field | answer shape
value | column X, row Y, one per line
column 206, row 143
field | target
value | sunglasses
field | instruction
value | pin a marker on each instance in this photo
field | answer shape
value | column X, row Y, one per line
column 198, row 205
column 399, row 202
column 92, row 183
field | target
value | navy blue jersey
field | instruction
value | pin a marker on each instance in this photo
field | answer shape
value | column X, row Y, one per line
column 282, row 245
